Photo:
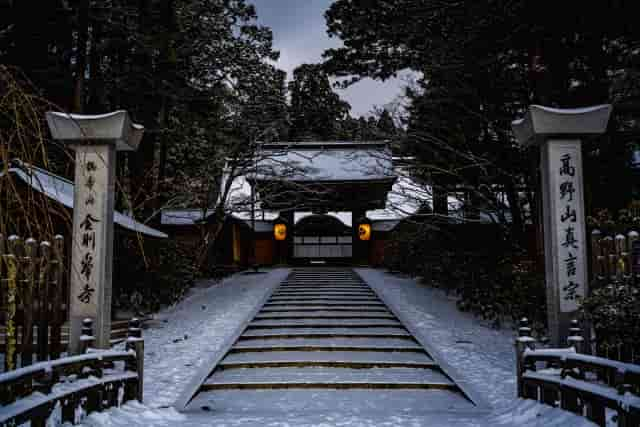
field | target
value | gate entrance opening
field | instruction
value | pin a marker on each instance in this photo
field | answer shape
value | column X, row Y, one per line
column 322, row 238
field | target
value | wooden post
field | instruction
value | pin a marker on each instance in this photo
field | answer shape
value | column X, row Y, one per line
column 621, row 243
column 596, row 413
column 610, row 248
column 86, row 338
column 43, row 301
column 135, row 342
column 16, row 247
column 11, row 264
column 575, row 338
column 634, row 258
column 56, row 290
column 28, row 300
column 3, row 283
column 596, row 270
column 523, row 342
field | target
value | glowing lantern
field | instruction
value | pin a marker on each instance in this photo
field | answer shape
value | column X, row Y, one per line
column 364, row 231
column 280, row 231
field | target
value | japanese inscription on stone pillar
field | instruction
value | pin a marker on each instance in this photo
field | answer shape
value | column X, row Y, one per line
column 93, row 227
column 566, row 194
column 89, row 215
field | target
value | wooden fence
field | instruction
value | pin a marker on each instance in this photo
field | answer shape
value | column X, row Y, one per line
column 615, row 263
column 615, row 256
column 65, row 390
column 32, row 300
column 585, row 385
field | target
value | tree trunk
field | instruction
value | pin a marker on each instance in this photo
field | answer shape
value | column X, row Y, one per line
column 166, row 69
column 141, row 161
column 95, row 104
column 517, row 223
column 81, row 57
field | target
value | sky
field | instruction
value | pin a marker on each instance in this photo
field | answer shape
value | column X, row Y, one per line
column 300, row 34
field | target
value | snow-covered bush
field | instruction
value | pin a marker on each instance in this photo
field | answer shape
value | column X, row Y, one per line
column 495, row 284
column 614, row 312
column 151, row 274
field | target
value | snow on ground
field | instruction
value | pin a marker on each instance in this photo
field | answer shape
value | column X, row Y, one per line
column 182, row 339
column 482, row 355
column 209, row 317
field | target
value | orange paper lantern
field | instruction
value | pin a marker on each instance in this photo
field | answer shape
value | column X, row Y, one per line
column 280, row 231
column 364, row 231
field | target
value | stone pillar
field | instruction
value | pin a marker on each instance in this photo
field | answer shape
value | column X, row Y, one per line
column 95, row 140
column 558, row 133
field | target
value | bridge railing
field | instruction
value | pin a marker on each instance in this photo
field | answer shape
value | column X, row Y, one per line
column 65, row 390
column 589, row 386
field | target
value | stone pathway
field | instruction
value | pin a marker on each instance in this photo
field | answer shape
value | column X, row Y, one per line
column 325, row 340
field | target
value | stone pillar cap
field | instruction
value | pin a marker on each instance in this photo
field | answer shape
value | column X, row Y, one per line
column 111, row 128
column 541, row 121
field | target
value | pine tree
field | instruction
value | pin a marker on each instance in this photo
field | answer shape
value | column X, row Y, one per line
column 316, row 110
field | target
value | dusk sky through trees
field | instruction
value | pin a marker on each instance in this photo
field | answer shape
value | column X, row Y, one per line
column 300, row 34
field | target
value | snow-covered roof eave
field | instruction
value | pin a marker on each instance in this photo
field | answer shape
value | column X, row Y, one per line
column 61, row 190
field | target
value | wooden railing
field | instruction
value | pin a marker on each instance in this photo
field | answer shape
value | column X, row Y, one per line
column 32, row 295
column 67, row 389
column 582, row 384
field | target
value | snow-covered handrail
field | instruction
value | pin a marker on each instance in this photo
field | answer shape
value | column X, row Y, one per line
column 61, row 390
column 583, row 384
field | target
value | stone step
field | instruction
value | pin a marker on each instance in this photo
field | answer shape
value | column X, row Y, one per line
column 344, row 385
column 319, row 284
column 324, row 310
column 411, row 355
column 327, row 276
column 315, row 280
column 374, row 304
column 380, row 313
column 296, row 295
column 349, row 300
column 345, row 364
column 292, row 316
column 325, row 323
column 322, row 279
column 338, row 330
column 322, row 375
column 329, row 341
column 321, row 294
column 326, row 348
column 324, row 289
column 324, row 401
column 266, row 335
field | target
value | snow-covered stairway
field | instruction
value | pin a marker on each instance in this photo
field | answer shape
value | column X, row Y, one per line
column 324, row 338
